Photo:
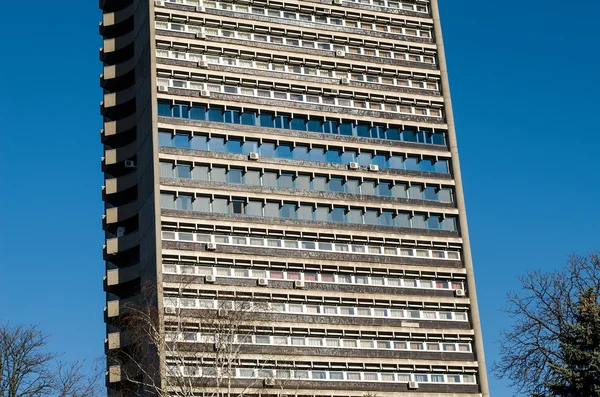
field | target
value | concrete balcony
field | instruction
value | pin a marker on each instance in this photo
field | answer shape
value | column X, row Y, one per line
column 114, row 156
column 117, row 43
column 115, row 277
column 119, row 244
column 115, row 185
column 113, row 374
column 112, row 128
column 121, row 213
column 118, row 98
column 114, row 71
column 112, row 341
column 116, row 17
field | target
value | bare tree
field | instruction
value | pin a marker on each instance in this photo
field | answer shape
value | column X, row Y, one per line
column 540, row 354
column 28, row 370
column 188, row 352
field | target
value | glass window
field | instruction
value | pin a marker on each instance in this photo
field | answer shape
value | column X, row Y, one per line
column 248, row 118
column 266, row 120
column 217, row 144
column 200, row 173
column 336, row 185
column 267, row 149
column 218, row 174
column 220, row 205
column 320, row 183
column 167, row 200
column 284, row 150
column 371, row 217
column 355, row 215
column 181, row 141
column 234, row 145
column 322, row 213
column 386, row 218
column 288, row 210
column 352, row 186
column 338, row 214
column 252, row 177
column 254, row 208
column 317, row 154
column 300, row 152
column 368, row 188
column 216, row 115
column 286, row 180
column 183, row 202
column 303, row 182
column 333, row 155
column 270, row 179
column 384, row 189
column 183, row 171
column 305, row 212
column 272, row 209
column 166, row 170
column 365, row 158
column 164, row 109
column 164, row 139
column 238, row 206
column 199, row 142
column 235, row 175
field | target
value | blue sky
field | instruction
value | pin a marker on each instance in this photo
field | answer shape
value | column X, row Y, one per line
column 524, row 96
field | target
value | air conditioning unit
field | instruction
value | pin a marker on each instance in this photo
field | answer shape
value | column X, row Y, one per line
column 204, row 93
column 299, row 284
column 413, row 385
column 336, row 2
column 209, row 278
column 129, row 164
column 340, row 53
column 222, row 312
column 460, row 292
column 344, row 80
column 200, row 8
column 373, row 167
column 353, row 165
column 254, row 156
column 158, row 3
column 200, row 35
column 263, row 282
column 120, row 231
column 170, row 310
column 163, row 88
column 202, row 64
column 211, row 246
column 269, row 382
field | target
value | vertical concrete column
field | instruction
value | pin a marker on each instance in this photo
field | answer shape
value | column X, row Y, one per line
column 460, row 201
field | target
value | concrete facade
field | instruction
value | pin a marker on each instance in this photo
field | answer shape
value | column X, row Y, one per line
column 300, row 155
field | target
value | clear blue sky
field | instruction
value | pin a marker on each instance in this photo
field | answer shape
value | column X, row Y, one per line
column 525, row 92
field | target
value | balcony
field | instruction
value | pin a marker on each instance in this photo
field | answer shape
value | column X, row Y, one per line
column 119, row 184
column 116, row 245
column 114, row 156
column 115, row 277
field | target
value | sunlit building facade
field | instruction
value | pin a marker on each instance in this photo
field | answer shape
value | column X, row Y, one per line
column 301, row 154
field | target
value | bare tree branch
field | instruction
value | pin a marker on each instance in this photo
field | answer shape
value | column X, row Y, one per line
column 544, row 310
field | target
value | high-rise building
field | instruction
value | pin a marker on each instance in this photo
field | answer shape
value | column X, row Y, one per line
column 300, row 157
